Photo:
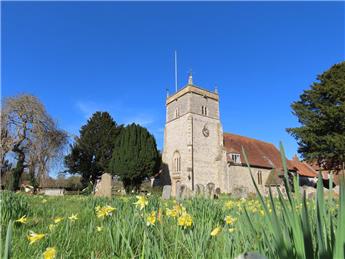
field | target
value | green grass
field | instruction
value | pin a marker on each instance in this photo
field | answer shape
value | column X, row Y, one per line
column 126, row 235
column 287, row 226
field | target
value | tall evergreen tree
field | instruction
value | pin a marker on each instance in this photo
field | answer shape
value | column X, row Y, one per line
column 321, row 112
column 92, row 151
column 135, row 156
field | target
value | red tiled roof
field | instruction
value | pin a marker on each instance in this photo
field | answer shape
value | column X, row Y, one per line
column 259, row 153
column 303, row 168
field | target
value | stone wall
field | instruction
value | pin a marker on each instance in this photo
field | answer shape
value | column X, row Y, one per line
column 239, row 177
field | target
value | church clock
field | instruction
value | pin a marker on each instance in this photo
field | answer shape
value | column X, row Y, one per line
column 205, row 131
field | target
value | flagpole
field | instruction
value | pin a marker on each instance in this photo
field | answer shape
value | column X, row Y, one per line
column 175, row 71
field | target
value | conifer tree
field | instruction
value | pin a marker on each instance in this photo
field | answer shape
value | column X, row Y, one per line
column 321, row 113
column 92, row 151
column 135, row 156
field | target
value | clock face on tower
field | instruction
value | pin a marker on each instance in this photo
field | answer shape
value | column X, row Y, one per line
column 205, row 131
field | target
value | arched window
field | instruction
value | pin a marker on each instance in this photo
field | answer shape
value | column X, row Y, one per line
column 259, row 177
column 177, row 162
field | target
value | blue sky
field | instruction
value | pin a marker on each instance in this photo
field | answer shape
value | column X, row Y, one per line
column 80, row 57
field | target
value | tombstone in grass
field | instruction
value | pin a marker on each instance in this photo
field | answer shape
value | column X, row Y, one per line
column 178, row 191
column 210, row 190
column 166, row 192
column 217, row 193
column 183, row 191
column 104, row 186
column 250, row 255
column 200, row 190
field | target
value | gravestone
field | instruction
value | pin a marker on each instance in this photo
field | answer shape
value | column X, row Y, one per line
column 104, row 186
column 183, row 189
column 200, row 190
column 210, row 190
column 217, row 193
column 166, row 192
column 250, row 255
column 240, row 192
column 179, row 188
column 187, row 194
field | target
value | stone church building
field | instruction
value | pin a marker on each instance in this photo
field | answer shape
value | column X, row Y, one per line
column 197, row 151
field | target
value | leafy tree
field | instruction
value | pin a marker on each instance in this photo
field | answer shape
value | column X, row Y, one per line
column 321, row 112
column 92, row 151
column 135, row 156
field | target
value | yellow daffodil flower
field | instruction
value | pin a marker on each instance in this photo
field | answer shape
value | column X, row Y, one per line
column 22, row 220
column 231, row 230
column 49, row 253
column 229, row 204
column 58, row 219
column 171, row 213
column 185, row 220
column 141, row 202
column 230, row 220
column 34, row 237
column 104, row 211
column 151, row 219
column 216, row 231
column 73, row 217
column 99, row 229
column 51, row 227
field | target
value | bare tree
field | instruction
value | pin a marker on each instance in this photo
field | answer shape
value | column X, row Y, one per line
column 30, row 133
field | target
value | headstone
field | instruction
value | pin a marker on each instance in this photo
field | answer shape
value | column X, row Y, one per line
column 178, row 191
column 217, row 193
column 200, row 190
column 240, row 192
column 250, row 255
column 210, row 190
column 166, row 192
column 104, row 186
column 183, row 190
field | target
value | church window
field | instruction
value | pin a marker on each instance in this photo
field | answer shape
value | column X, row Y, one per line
column 177, row 162
column 204, row 110
column 260, row 177
column 236, row 158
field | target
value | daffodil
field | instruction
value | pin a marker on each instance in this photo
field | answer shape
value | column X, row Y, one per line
column 216, row 231
column 34, row 237
column 231, row 230
column 22, row 220
column 104, row 211
column 51, row 227
column 141, row 202
column 49, row 253
column 171, row 213
column 73, row 217
column 230, row 220
column 151, row 219
column 58, row 219
column 185, row 220
column 229, row 204
column 99, row 229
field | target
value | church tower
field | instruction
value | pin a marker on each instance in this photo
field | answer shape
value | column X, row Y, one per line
column 193, row 139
